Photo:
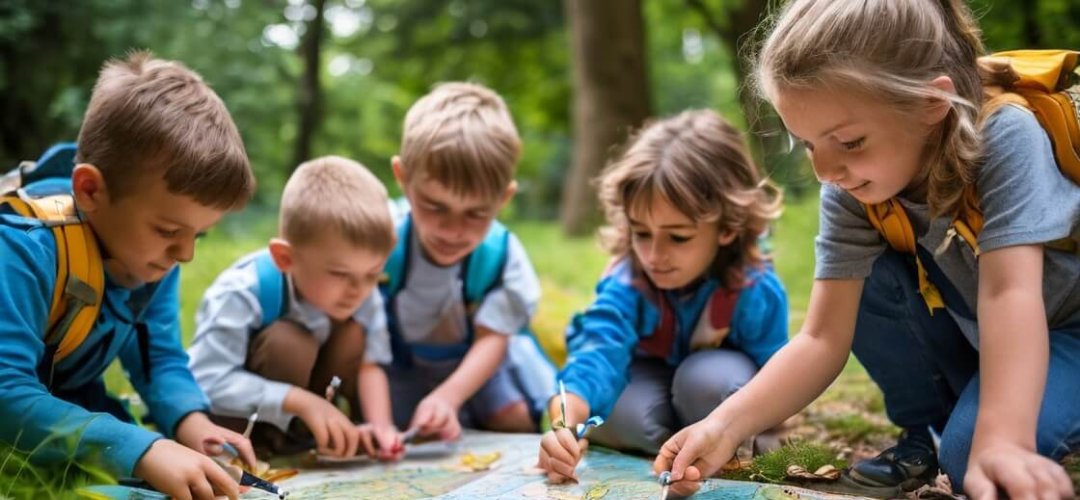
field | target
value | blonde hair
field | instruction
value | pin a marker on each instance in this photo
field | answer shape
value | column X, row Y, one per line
column 698, row 163
column 339, row 195
column 889, row 50
column 150, row 117
column 461, row 135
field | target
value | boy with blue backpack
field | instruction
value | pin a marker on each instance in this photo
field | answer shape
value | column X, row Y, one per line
column 90, row 240
column 459, row 285
column 279, row 326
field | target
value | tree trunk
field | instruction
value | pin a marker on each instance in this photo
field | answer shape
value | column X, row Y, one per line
column 309, row 96
column 611, row 96
column 1032, row 34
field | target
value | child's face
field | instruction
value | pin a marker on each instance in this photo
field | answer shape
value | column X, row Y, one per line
column 332, row 274
column 450, row 226
column 144, row 233
column 673, row 249
column 858, row 144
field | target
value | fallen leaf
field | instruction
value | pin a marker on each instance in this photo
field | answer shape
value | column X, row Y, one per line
column 824, row 473
column 477, row 463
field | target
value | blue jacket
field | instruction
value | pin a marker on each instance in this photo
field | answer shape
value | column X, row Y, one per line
column 30, row 414
column 602, row 341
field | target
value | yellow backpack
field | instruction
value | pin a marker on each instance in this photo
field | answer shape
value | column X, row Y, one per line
column 1042, row 81
column 80, row 276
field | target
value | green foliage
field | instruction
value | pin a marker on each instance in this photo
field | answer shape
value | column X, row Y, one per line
column 20, row 478
column 772, row 466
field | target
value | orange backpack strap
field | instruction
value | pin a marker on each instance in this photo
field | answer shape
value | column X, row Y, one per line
column 80, row 276
column 1042, row 81
column 890, row 219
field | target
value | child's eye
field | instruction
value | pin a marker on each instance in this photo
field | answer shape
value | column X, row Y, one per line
column 853, row 145
column 641, row 235
column 681, row 239
column 167, row 233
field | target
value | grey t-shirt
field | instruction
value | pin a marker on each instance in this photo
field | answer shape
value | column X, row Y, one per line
column 1025, row 200
column 430, row 309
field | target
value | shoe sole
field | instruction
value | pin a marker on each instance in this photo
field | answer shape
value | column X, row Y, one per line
column 852, row 480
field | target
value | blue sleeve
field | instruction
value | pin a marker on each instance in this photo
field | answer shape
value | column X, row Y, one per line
column 33, row 418
column 171, row 393
column 760, row 325
column 600, row 343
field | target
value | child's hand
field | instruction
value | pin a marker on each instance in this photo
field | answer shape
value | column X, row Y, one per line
column 694, row 453
column 335, row 435
column 560, row 453
column 197, row 432
column 391, row 444
column 1017, row 471
column 180, row 472
column 436, row 414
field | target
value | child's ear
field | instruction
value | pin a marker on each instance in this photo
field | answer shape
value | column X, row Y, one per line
column 511, row 190
column 399, row 172
column 937, row 109
column 88, row 187
column 726, row 237
column 281, row 252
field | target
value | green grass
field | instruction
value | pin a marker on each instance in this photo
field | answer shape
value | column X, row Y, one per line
column 772, row 466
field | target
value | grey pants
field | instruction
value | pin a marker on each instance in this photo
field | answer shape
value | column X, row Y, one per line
column 660, row 399
column 409, row 386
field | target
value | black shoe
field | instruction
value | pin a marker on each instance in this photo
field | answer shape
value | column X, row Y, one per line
column 904, row 467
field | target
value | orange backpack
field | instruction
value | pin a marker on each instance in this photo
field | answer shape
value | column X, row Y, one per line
column 1042, row 81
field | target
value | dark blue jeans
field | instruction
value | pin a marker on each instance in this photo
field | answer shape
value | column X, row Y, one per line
column 928, row 371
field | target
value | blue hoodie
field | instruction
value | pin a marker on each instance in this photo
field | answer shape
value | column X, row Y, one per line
column 602, row 341
column 32, row 417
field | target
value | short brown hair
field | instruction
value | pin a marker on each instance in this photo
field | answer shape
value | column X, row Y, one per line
column 332, row 193
column 154, row 117
column 698, row 163
column 461, row 135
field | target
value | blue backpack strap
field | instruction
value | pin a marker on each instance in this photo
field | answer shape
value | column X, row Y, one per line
column 394, row 274
column 271, row 291
column 396, row 268
column 483, row 268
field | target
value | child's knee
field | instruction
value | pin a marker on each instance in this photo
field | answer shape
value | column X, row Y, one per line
column 709, row 377
column 514, row 417
column 283, row 351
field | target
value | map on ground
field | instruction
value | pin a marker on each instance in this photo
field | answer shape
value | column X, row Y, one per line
column 435, row 470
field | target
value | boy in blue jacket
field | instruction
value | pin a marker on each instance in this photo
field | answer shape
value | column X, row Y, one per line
column 159, row 161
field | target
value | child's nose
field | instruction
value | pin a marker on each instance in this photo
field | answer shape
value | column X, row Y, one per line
column 828, row 170
column 183, row 251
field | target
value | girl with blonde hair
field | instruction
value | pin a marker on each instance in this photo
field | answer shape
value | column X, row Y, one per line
column 887, row 99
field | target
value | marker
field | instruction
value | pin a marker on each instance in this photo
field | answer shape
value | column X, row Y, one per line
column 407, row 437
column 410, row 435
column 250, row 425
column 246, row 478
column 664, row 479
column 332, row 388
column 582, row 429
column 562, row 403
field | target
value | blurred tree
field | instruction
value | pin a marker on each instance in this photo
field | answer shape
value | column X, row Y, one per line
column 309, row 95
column 611, row 95
column 378, row 56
